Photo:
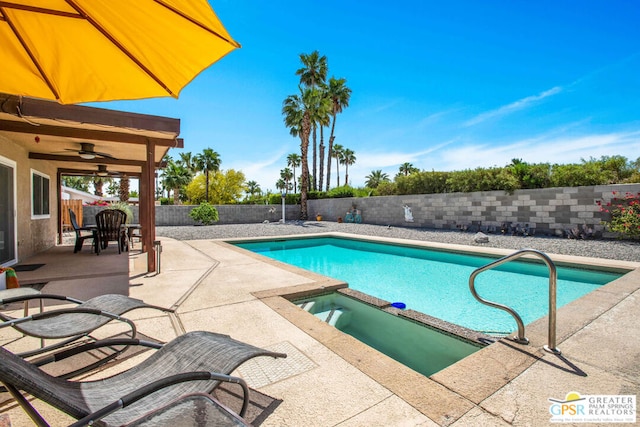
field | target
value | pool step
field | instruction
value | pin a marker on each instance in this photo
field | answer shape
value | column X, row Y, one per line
column 306, row 305
column 332, row 316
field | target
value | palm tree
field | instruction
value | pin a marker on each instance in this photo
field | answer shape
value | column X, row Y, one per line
column 348, row 158
column 123, row 188
column 314, row 69
column 187, row 160
column 339, row 94
column 175, row 177
column 337, row 153
column 281, row 185
column 207, row 161
column 297, row 117
column 253, row 188
column 287, row 176
column 375, row 178
column 98, row 184
column 407, row 169
column 293, row 161
column 313, row 74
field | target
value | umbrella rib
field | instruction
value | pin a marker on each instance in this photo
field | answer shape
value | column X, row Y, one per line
column 31, row 56
column 193, row 21
column 9, row 5
column 120, row 46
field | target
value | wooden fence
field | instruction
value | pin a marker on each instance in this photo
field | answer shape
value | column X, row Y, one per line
column 76, row 206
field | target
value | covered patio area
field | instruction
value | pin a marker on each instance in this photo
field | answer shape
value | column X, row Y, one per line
column 42, row 141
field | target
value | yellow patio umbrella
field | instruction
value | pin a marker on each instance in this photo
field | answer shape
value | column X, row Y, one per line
column 101, row 50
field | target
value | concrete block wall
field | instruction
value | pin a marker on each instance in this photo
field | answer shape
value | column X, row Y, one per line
column 548, row 210
column 228, row 214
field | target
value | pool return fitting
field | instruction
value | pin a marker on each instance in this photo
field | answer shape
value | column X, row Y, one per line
column 553, row 279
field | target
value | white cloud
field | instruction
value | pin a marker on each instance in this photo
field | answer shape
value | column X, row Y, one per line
column 514, row 106
column 541, row 149
column 264, row 171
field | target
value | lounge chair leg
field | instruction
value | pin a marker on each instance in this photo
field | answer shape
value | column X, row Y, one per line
column 24, row 403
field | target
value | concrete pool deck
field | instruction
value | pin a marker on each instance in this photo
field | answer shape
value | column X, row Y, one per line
column 331, row 379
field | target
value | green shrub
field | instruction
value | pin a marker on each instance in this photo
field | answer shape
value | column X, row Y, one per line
column 315, row 195
column 624, row 211
column 341, row 192
column 205, row 214
column 125, row 207
column 290, row 199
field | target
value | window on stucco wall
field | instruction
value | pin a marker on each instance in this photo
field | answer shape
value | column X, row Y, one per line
column 39, row 195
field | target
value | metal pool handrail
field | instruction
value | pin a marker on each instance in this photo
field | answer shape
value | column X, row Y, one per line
column 553, row 279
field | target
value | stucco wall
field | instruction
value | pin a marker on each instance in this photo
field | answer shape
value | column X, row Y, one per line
column 548, row 211
column 38, row 234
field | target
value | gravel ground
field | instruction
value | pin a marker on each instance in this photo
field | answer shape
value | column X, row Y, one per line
column 598, row 248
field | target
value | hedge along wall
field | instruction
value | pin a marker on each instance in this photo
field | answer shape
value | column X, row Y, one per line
column 548, row 210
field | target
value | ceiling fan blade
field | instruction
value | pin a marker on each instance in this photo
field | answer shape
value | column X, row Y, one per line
column 105, row 155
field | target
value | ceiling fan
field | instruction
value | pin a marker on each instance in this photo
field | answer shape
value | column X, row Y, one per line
column 87, row 151
column 103, row 172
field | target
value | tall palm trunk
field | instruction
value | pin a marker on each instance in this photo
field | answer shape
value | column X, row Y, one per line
column 295, row 185
column 97, row 186
column 304, row 150
column 315, row 174
column 330, row 153
column 337, row 173
column 206, row 189
column 321, row 161
column 123, row 190
column 346, row 174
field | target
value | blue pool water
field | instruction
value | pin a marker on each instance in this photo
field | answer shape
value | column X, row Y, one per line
column 436, row 282
column 423, row 349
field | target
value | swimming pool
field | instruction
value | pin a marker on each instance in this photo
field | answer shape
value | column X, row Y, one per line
column 435, row 282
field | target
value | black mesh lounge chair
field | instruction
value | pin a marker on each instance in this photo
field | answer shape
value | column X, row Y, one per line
column 71, row 324
column 81, row 235
column 197, row 409
column 195, row 362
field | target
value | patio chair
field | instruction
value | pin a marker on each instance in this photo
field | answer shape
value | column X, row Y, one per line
column 111, row 227
column 195, row 362
column 80, row 237
column 72, row 324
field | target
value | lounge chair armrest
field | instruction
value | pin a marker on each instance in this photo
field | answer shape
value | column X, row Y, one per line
column 39, row 296
column 144, row 391
column 61, row 355
column 53, row 313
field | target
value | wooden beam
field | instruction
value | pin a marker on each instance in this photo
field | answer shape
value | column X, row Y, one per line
column 97, row 160
column 40, row 108
column 87, row 172
column 87, row 134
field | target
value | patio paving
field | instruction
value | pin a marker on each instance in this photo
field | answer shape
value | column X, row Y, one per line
column 330, row 379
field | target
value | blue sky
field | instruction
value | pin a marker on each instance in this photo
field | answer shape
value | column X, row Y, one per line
column 442, row 85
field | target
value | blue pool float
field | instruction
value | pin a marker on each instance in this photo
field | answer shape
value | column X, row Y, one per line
column 399, row 305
